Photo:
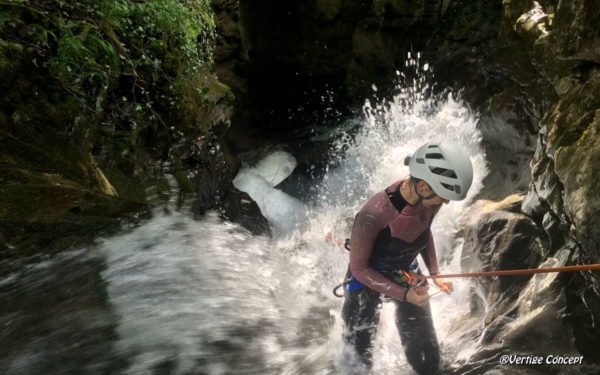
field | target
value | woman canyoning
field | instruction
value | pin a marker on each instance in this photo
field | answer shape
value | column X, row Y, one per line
column 388, row 233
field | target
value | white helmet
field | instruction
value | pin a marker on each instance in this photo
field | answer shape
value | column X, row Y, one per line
column 445, row 166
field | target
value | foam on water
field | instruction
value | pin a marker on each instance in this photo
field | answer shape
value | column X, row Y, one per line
column 283, row 211
column 274, row 167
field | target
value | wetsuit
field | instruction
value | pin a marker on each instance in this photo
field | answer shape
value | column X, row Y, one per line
column 387, row 236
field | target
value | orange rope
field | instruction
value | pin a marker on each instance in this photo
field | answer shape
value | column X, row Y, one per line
column 529, row 271
column 583, row 267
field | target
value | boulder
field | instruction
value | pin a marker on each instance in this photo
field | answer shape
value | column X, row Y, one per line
column 497, row 236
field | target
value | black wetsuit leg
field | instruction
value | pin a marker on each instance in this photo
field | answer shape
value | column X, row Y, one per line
column 419, row 340
column 361, row 317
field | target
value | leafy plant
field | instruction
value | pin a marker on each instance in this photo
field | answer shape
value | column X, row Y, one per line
column 127, row 61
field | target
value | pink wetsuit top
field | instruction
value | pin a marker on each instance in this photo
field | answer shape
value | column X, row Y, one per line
column 376, row 215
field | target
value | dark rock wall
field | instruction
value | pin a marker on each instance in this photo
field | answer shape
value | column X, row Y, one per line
column 288, row 61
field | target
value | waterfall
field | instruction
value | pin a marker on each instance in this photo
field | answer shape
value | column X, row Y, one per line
column 187, row 296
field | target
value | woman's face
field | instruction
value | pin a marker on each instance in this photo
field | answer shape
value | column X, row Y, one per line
column 425, row 190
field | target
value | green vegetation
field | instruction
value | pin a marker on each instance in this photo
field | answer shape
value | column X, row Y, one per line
column 134, row 55
column 95, row 94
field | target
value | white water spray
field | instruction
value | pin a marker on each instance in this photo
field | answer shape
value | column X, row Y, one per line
column 259, row 181
column 197, row 290
column 373, row 160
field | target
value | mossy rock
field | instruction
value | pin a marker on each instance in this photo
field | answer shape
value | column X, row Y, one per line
column 46, row 217
column 578, row 167
column 576, row 35
column 575, row 111
column 10, row 63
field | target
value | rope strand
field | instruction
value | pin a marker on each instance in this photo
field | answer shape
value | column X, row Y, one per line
column 582, row 267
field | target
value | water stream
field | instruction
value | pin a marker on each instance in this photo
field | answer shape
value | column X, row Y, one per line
column 182, row 296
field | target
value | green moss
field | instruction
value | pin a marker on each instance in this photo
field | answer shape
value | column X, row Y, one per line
column 584, row 135
column 10, row 55
column 567, row 139
column 215, row 91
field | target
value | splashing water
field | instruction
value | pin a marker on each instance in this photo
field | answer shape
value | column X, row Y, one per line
column 370, row 161
column 204, row 297
column 373, row 160
column 283, row 212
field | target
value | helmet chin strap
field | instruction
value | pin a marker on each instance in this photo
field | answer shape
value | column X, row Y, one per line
column 421, row 199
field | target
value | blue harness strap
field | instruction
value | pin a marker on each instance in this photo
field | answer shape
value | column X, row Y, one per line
column 353, row 285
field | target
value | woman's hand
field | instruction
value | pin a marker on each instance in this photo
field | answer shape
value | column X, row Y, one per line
column 418, row 296
column 445, row 286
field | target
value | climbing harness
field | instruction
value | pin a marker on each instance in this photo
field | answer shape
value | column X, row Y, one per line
column 410, row 279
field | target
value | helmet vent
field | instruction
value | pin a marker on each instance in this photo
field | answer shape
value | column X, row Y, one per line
column 432, row 146
column 449, row 187
column 434, row 156
column 443, row 172
column 457, row 189
column 420, row 160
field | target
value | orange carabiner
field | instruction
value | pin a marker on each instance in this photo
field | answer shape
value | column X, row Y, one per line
column 411, row 278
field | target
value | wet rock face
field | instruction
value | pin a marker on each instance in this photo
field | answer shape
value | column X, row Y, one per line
column 575, row 30
column 238, row 207
column 563, row 194
column 534, row 66
column 497, row 236
column 209, row 185
column 564, row 189
column 573, row 144
column 522, row 313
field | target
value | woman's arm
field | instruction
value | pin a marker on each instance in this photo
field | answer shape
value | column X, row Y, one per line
column 430, row 257
column 432, row 265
